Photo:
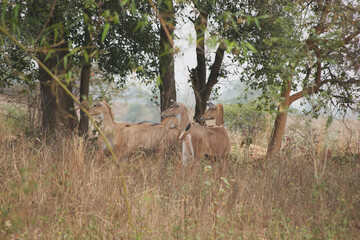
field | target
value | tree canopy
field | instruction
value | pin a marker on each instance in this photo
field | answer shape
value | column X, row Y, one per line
column 289, row 50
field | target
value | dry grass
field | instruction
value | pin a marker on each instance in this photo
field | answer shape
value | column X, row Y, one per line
column 60, row 190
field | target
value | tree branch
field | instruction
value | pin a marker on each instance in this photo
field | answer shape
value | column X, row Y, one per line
column 316, row 88
column 194, row 83
column 215, row 69
column 349, row 38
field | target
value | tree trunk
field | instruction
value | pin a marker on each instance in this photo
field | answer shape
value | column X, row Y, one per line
column 85, row 83
column 199, row 73
column 48, row 100
column 202, row 85
column 202, row 89
column 84, row 97
column 280, row 122
column 166, row 57
column 58, row 112
column 200, row 108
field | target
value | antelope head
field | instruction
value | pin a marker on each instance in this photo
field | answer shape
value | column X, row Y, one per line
column 211, row 105
column 102, row 109
column 214, row 112
column 211, row 113
column 172, row 111
column 97, row 109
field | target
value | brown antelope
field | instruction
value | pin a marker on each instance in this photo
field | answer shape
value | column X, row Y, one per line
column 150, row 137
column 179, row 112
column 170, row 122
column 214, row 112
column 110, row 129
column 198, row 140
column 127, row 138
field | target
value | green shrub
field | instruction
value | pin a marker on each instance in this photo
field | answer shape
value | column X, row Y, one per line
column 247, row 118
column 12, row 118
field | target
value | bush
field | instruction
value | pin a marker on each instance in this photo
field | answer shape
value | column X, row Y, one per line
column 248, row 118
column 12, row 118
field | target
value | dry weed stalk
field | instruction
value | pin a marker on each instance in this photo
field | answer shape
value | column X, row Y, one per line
column 44, row 196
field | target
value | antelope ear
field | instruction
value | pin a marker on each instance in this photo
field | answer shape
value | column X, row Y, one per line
column 211, row 105
column 174, row 103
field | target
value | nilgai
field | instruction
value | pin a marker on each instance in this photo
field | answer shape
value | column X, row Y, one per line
column 127, row 138
column 198, row 141
column 214, row 112
column 180, row 112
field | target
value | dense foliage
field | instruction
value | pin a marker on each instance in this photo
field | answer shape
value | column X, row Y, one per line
column 247, row 118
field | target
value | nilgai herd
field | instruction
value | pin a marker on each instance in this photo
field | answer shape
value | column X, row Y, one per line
column 176, row 129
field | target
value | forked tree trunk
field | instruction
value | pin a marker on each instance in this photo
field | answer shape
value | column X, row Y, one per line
column 280, row 122
column 201, row 85
column 166, row 58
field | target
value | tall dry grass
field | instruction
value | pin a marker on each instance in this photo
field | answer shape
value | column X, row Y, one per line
column 60, row 190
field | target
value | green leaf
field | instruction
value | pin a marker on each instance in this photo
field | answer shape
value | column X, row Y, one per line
column 106, row 14
column 42, row 40
column 73, row 51
column 3, row 14
column 55, row 35
column 257, row 22
column 49, row 55
column 65, row 61
column 124, row 2
column 86, row 56
column 225, row 181
column 106, row 29
column 329, row 121
column 116, row 17
column 16, row 11
column 251, row 47
column 68, row 77
column 158, row 81
column 133, row 7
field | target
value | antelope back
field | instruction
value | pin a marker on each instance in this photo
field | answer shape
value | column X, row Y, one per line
column 170, row 122
column 148, row 137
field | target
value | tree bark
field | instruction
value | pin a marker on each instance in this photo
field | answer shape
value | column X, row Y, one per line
column 166, row 57
column 84, row 98
column 280, row 122
column 58, row 112
column 85, row 84
column 201, row 85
